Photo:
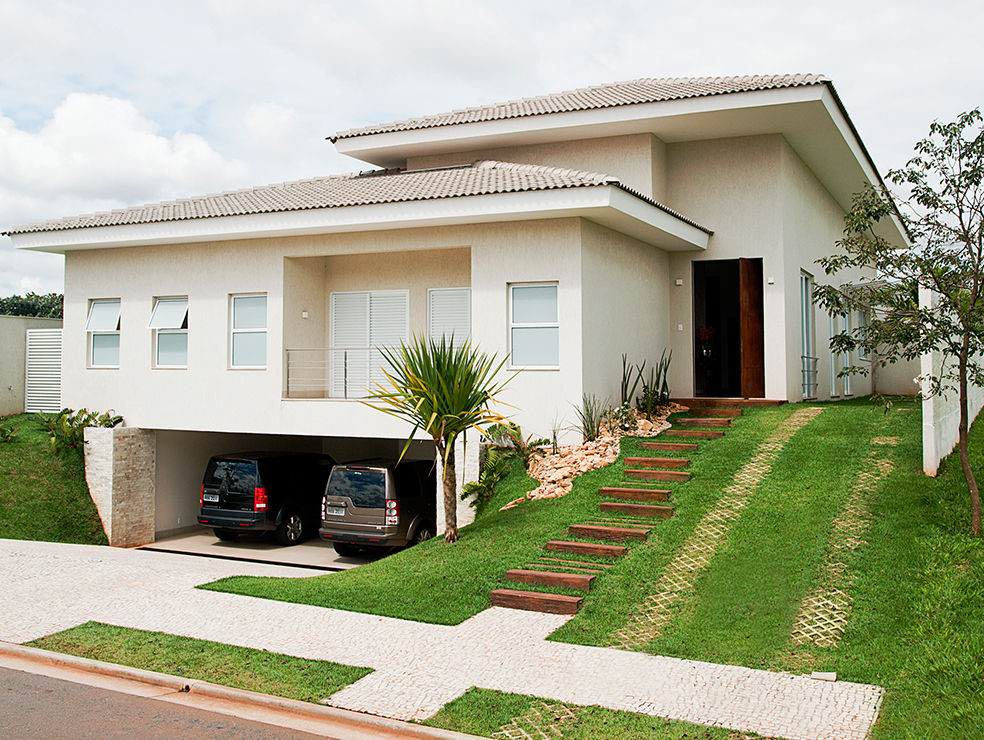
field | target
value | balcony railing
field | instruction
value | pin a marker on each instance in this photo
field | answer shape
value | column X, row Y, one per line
column 809, row 370
column 338, row 372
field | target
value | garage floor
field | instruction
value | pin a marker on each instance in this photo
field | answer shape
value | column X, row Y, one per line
column 311, row 553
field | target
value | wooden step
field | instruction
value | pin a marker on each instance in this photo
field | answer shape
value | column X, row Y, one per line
column 579, row 562
column 637, row 509
column 672, row 475
column 657, row 462
column 635, row 494
column 703, row 421
column 713, row 411
column 741, row 403
column 698, row 433
column 541, row 566
column 579, row 581
column 535, row 601
column 670, row 446
column 587, row 548
column 623, row 523
column 613, row 534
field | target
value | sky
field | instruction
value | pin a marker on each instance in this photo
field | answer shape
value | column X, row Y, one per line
column 109, row 104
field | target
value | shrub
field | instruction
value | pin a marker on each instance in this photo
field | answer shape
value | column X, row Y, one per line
column 8, row 433
column 590, row 416
column 655, row 389
column 508, row 439
column 621, row 417
column 67, row 429
column 494, row 469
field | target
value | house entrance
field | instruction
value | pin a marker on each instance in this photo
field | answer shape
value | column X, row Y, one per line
column 729, row 347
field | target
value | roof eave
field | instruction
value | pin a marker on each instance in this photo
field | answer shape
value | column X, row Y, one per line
column 608, row 205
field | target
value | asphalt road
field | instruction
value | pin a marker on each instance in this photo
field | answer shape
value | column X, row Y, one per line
column 33, row 706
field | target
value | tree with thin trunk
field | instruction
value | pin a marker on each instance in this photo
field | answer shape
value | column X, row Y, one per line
column 941, row 203
column 442, row 388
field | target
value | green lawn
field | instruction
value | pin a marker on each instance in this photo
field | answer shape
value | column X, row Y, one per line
column 243, row 668
column 43, row 496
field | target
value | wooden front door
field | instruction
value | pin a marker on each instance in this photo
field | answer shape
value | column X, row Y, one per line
column 752, row 328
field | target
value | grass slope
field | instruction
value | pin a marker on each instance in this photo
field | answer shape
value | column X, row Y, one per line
column 43, row 496
column 242, row 668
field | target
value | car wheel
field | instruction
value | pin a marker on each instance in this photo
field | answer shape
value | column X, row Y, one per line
column 226, row 535
column 291, row 530
column 423, row 533
column 344, row 549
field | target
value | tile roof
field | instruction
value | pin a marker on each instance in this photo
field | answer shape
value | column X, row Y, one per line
column 600, row 96
column 363, row 188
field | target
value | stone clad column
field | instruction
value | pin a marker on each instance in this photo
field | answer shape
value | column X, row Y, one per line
column 120, row 470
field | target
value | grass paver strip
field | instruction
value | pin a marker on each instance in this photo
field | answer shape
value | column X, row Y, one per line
column 680, row 576
column 824, row 612
column 542, row 721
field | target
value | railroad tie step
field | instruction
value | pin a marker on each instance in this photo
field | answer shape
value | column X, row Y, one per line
column 579, row 562
column 670, row 446
column 623, row 523
column 579, row 581
column 614, row 534
column 635, row 494
column 663, row 512
column 657, row 462
column 535, row 601
column 665, row 475
column 703, row 421
column 587, row 548
column 554, row 566
column 714, row 411
column 694, row 433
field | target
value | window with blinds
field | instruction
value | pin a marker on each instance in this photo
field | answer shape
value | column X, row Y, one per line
column 360, row 324
column 449, row 314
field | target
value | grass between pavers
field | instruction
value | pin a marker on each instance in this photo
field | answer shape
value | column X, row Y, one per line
column 483, row 712
column 446, row 584
column 43, row 496
column 228, row 665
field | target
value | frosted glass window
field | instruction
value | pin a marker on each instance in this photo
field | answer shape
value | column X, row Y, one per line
column 249, row 349
column 249, row 312
column 105, row 350
column 170, row 313
column 172, row 348
column 534, row 331
column 104, row 316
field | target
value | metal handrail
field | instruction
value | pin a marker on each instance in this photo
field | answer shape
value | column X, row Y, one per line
column 329, row 372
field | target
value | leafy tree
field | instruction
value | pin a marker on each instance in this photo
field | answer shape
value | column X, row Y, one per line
column 443, row 390
column 941, row 201
column 48, row 306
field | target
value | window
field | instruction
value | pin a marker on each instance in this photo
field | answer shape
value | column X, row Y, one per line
column 169, row 322
column 846, row 356
column 833, row 357
column 449, row 314
column 249, row 333
column 863, row 353
column 808, row 359
column 361, row 323
column 103, row 328
column 534, row 329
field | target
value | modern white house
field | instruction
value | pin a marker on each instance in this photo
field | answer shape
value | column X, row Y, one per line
column 562, row 231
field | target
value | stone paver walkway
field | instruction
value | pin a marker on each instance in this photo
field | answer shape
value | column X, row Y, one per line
column 418, row 667
column 680, row 576
column 823, row 615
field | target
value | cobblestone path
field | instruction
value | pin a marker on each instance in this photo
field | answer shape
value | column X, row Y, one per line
column 417, row 667
column 678, row 580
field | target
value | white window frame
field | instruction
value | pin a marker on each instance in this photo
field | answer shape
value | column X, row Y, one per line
column 863, row 353
column 234, row 331
column 834, row 388
column 90, row 333
column 431, row 292
column 157, row 332
column 808, row 334
column 846, row 356
column 532, row 325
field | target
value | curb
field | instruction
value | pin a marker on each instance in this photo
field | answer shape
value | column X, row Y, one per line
column 357, row 723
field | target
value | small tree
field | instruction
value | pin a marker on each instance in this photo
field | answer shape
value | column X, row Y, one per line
column 444, row 390
column 942, row 206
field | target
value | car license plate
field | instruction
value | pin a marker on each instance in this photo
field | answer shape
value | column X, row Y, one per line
column 210, row 497
column 334, row 511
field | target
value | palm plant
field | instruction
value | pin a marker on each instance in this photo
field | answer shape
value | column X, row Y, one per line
column 442, row 388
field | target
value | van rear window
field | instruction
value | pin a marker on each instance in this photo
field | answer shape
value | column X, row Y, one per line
column 234, row 475
column 365, row 488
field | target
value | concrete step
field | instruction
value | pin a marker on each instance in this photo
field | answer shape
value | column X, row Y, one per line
column 579, row 562
column 535, row 601
column 635, row 494
column 670, row 446
column 579, row 581
column 694, row 433
column 668, row 475
column 615, row 507
column 613, row 534
column 657, row 462
column 587, row 548
column 703, row 421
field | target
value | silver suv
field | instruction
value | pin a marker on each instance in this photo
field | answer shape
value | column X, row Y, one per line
column 376, row 505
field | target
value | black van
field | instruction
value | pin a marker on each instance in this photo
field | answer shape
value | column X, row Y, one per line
column 379, row 505
column 262, row 492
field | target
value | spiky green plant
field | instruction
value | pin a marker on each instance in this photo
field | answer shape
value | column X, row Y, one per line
column 442, row 388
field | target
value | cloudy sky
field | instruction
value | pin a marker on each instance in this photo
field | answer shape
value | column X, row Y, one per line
column 106, row 104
